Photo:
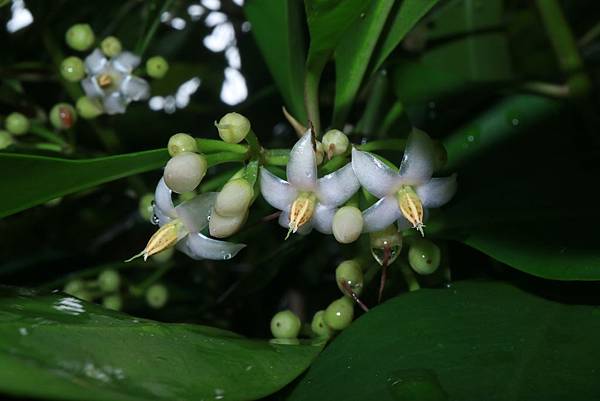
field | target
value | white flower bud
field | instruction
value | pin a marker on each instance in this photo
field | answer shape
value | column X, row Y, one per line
column 222, row 227
column 179, row 143
column 184, row 172
column 335, row 142
column 234, row 199
column 233, row 127
column 347, row 224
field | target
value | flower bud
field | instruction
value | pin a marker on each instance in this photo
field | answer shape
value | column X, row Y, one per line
column 234, row 199
column 111, row 46
column 157, row 67
column 114, row 302
column 285, row 324
column 109, row 280
column 335, row 143
column 88, row 108
column 6, row 139
column 63, row 116
column 17, row 123
column 72, row 69
column 184, row 172
column 348, row 274
column 233, row 127
column 181, row 142
column 424, row 256
column 222, row 227
column 339, row 313
column 80, row 37
column 347, row 224
column 319, row 327
column 157, row 296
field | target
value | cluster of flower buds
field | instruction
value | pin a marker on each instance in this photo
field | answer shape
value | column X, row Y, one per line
column 107, row 73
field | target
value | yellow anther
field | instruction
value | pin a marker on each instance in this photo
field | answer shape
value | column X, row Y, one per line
column 301, row 212
column 411, row 207
column 166, row 237
column 104, row 80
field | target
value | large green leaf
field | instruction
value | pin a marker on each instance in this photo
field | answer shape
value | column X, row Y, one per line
column 472, row 341
column 58, row 347
column 276, row 26
column 27, row 180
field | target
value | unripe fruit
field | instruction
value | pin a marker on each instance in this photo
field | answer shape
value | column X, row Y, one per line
column 80, row 37
column 157, row 67
column 109, row 280
column 350, row 273
column 6, row 139
column 335, row 142
column 347, row 224
column 17, row 123
column 285, row 324
column 319, row 327
column 74, row 287
column 424, row 256
column 223, row 227
column 339, row 313
column 233, row 127
column 114, row 302
column 145, row 206
column 184, row 172
column 157, row 296
column 63, row 116
column 88, row 108
column 72, row 69
column 235, row 197
column 111, row 46
column 180, row 143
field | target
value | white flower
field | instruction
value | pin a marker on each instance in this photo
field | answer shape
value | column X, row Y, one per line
column 304, row 200
column 111, row 81
column 403, row 194
column 190, row 218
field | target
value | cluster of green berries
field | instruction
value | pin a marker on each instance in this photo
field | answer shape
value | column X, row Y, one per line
column 15, row 124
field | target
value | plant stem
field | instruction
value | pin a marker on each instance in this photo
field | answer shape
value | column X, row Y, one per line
column 409, row 276
column 216, row 145
column 224, row 157
column 145, row 42
column 276, row 157
column 45, row 133
column 311, row 96
column 367, row 123
column 391, row 117
column 254, row 144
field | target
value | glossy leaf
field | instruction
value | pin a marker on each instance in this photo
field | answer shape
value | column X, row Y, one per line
column 276, row 26
column 27, row 180
column 473, row 341
column 82, row 351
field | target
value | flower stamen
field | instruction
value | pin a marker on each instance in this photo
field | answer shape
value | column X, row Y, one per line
column 166, row 237
column 301, row 212
column 411, row 207
column 105, row 80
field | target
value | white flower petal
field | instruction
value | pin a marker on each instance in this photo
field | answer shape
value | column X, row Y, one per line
column 125, row 62
column 337, row 187
column 373, row 174
column 277, row 192
column 195, row 213
column 381, row 214
column 417, row 164
column 135, row 88
column 91, row 88
column 302, row 166
column 162, row 199
column 284, row 221
column 115, row 103
column 95, row 62
column 322, row 220
column 198, row 246
column 438, row 191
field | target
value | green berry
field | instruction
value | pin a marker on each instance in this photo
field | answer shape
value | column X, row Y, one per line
column 145, row 206
column 235, row 197
column 111, row 46
column 424, row 256
column 88, row 108
column 114, row 302
column 233, row 127
column 319, row 327
column 17, row 123
column 74, row 287
column 72, row 69
column 157, row 67
column 109, row 280
column 184, row 172
column 80, row 37
column 180, row 143
column 6, row 139
column 349, row 272
column 339, row 313
column 285, row 324
column 63, row 116
column 157, row 296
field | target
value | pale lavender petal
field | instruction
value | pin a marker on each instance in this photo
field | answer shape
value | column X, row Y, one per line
column 135, row 88
column 277, row 192
column 95, row 62
column 91, row 88
column 163, row 200
column 115, row 104
column 418, row 161
column 381, row 214
column 323, row 218
column 284, row 221
column 302, row 166
column 125, row 62
column 195, row 213
column 198, row 246
column 438, row 191
column 373, row 174
column 337, row 187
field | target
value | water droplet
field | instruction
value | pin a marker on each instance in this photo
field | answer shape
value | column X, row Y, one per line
column 227, row 256
column 379, row 254
column 362, row 15
column 219, row 394
column 248, row 368
column 154, row 220
column 416, row 385
column 23, row 331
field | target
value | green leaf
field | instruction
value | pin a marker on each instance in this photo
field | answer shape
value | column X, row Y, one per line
column 407, row 16
column 473, row 341
column 75, row 350
column 32, row 180
column 353, row 54
column 276, row 26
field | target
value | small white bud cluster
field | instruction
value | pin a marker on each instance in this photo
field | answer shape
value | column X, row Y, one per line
column 231, row 208
column 186, row 169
